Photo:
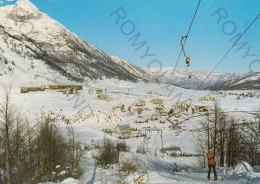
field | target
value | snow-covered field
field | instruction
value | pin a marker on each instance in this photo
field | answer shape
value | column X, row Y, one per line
column 91, row 115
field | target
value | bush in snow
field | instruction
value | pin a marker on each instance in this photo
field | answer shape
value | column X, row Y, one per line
column 127, row 167
column 109, row 152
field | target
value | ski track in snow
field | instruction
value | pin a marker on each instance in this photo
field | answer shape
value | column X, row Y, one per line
column 165, row 174
column 89, row 171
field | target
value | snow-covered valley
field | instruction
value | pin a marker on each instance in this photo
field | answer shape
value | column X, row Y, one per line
column 94, row 115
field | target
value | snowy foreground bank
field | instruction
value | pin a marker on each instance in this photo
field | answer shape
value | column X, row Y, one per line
column 161, row 172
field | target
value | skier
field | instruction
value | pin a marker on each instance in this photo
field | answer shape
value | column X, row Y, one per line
column 175, row 167
column 211, row 164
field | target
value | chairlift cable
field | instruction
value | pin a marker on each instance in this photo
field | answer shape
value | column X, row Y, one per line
column 186, row 36
column 226, row 54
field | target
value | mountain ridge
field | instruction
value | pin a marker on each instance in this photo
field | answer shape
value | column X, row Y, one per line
column 32, row 34
column 214, row 81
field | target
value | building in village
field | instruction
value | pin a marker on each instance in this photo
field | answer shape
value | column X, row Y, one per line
column 157, row 101
column 123, row 129
column 28, row 89
column 159, row 107
column 57, row 86
column 66, row 89
column 201, row 108
column 69, row 91
column 104, row 97
column 182, row 106
column 140, row 103
column 208, row 98
column 95, row 91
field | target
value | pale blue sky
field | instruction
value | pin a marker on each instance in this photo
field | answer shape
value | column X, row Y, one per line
column 161, row 24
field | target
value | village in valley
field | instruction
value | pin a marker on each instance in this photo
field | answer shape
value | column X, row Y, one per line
column 146, row 114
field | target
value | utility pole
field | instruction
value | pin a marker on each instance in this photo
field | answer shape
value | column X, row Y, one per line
column 162, row 142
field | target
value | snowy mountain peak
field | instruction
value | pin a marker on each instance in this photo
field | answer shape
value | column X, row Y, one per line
column 24, row 10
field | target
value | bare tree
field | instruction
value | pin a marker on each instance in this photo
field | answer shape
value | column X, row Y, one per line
column 201, row 149
column 77, row 151
column 7, row 121
column 52, row 149
column 254, row 128
column 30, row 153
column 253, row 141
column 217, row 112
column 18, row 148
column 222, row 130
column 213, row 135
column 234, row 144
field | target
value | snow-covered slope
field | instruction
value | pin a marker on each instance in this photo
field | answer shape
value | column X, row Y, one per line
column 202, row 79
column 132, row 68
column 26, row 34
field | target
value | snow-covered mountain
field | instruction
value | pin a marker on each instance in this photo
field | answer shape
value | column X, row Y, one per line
column 250, row 80
column 31, row 38
column 202, row 79
column 179, row 77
